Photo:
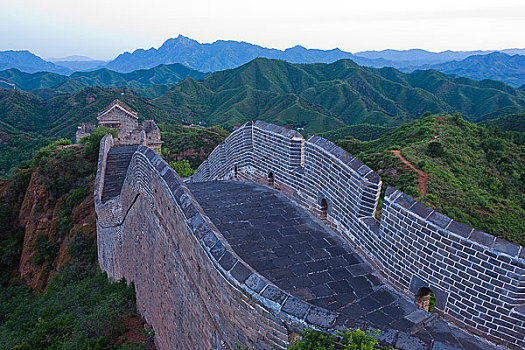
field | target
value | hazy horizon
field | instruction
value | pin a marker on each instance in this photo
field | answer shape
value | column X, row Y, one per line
column 102, row 30
column 78, row 56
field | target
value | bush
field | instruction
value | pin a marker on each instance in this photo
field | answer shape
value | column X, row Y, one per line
column 45, row 250
column 76, row 312
column 182, row 168
column 412, row 191
column 92, row 141
column 349, row 340
column 82, row 249
column 435, row 149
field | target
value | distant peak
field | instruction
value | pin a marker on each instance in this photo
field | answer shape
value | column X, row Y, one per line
column 180, row 40
column 296, row 47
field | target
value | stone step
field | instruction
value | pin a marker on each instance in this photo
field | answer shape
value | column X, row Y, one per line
column 117, row 164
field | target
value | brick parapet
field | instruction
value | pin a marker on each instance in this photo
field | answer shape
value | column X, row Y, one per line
column 478, row 279
column 105, row 145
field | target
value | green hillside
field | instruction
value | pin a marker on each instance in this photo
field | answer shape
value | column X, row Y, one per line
column 322, row 97
column 65, row 301
column 362, row 132
column 340, row 100
column 513, row 122
column 28, row 123
column 148, row 82
column 476, row 174
column 189, row 143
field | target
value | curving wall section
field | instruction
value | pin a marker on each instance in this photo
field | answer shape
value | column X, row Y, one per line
column 190, row 285
column 478, row 280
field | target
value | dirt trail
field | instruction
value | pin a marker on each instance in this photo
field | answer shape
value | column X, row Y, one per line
column 422, row 177
column 436, row 135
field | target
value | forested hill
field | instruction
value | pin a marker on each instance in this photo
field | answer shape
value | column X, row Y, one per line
column 28, row 123
column 316, row 97
column 469, row 172
column 52, row 293
column 495, row 66
column 320, row 97
column 149, row 82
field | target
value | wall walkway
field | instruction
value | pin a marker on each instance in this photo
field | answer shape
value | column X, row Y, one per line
column 478, row 279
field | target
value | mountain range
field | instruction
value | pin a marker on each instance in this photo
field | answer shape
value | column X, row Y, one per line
column 149, row 82
column 323, row 97
column 28, row 62
column 317, row 97
column 222, row 55
column 418, row 57
column 494, row 66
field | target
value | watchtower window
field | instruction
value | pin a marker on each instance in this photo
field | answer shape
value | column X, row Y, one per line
column 324, row 209
column 271, row 179
column 425, row 299
column 235, row 172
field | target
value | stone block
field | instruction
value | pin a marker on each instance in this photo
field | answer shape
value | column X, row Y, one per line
column 459, row 228
column 200, row 227
column 255, row 283
column 405, row 201
column 442, row 346
column 320, row 317
column 421, row 210
column 240, row 272
column 439, row 219
column 506, row 247
column 227, row 261
column 218, row 250
column 273, row 293
column 295, row 307
column 482, row 238
column 408, row 342
column 210, row 239
column 373, row 177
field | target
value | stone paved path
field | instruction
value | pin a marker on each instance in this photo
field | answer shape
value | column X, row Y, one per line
column 116, row 168
column 297, row 252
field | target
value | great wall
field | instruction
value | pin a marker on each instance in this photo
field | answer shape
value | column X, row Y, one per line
column 275, row 233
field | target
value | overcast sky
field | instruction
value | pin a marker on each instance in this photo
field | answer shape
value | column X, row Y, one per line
column 104, row 28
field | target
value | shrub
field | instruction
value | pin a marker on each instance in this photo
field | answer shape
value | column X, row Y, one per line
column 45, row 250
column 412, row 191
column 182, row 168
column 349, row 340
column 92, row 141
column 81, row 248
column 435, row 149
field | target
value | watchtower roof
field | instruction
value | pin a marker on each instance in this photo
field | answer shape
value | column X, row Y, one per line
column 120, row 105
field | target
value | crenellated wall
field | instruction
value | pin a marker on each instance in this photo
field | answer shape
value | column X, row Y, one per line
column 478, row 280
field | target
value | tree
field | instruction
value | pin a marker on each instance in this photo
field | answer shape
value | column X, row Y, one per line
column 92, row 141
column 182, row 168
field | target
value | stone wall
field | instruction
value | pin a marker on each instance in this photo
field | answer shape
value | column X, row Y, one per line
column 478, row 280
column 190, row 285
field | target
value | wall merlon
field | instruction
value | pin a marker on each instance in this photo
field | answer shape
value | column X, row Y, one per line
column 278, row 130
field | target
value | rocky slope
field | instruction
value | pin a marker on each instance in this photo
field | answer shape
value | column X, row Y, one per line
column 48, row 243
